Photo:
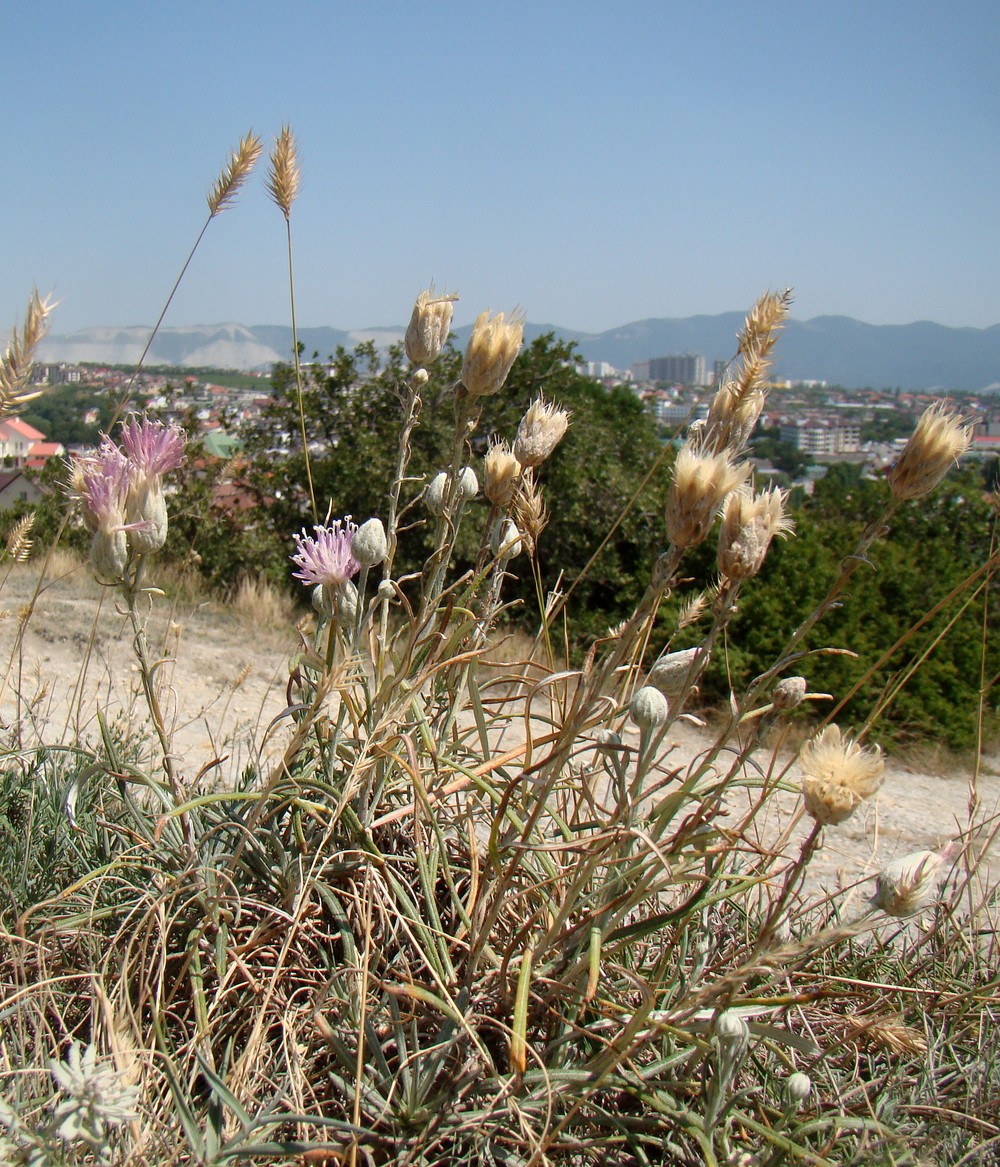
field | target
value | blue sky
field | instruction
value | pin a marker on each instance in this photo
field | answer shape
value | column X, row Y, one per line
column 594, row 163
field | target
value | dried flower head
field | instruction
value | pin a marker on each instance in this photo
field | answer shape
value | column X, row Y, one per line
column 500, row 473
column 542, row 429
column 283, row 176
column 732, row 417
column 326, row 558
column 491, row 351
column 700, row 484
column 235, row 173
column 430, row 323
column 749, row 522
column 838, row 774
column 19, row 356
column 908, row 885
column 936, row 444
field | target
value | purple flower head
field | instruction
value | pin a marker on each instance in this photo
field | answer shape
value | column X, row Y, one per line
column 327, row 559
column 106, row 478
column 152, row 447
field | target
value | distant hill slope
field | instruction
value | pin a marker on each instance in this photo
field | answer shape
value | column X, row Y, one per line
column 836, row 349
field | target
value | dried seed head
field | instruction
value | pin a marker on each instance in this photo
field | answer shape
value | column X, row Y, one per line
column 788, row 693
column 491, row 351
column 283, row 176
column 648, row 708
column 500, row 474
column 759, row 336
column 749, row 523
column 234, row 173
column 907, row 885
column 430, row 323
column 370, row 545
column 838, row 774
column 542, row 429
column 700, row 484
column 670, row 673
column 937, row 443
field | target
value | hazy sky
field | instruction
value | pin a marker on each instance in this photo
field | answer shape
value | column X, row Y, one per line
column 595, row 163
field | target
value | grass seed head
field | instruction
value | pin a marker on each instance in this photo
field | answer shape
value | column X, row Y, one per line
column 19, row 356
column 542, row 429
column 235, row 173
column 700, row 484
column 283, row 176
column 430, row 323
column 838, row 774
column 939, row 440
column 491, row 351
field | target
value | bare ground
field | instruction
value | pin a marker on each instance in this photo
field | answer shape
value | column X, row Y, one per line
column 66, row 652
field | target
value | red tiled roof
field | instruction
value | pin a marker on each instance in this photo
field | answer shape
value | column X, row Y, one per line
column 22, row 429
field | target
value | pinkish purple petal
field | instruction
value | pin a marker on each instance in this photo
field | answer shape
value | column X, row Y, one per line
column 152, row 447
column 326, row 559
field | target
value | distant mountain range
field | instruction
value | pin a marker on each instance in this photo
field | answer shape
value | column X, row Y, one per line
column 835, row 349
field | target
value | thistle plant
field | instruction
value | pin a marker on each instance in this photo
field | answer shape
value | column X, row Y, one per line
column 459, row 906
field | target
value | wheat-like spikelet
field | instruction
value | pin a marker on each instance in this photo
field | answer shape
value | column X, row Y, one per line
column 15, row 367
column 235, row 173
column 758, row 338
column 692, row 610
column 530, row 511
column 283, row 176
column 18, row 542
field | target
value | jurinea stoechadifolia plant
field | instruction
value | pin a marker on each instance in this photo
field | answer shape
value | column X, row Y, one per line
column 468, row 912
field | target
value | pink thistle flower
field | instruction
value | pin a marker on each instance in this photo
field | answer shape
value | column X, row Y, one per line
column 152, row 447
column 326, row 559
column 106, row 477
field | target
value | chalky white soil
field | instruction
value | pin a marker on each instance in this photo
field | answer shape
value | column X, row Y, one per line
column 224, row 677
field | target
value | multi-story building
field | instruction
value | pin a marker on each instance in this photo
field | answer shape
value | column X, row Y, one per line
column 816, row 435
column 679, row 369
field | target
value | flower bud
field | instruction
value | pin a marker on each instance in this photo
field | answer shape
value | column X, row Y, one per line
column 506, row 540
column 798, row 1087
column 788, row 693
column 387, row 590
column 491, row 351
column 468, row 484
column 420, row 378
column 649, row 708
column 429, row 326
column 436, row 493
column 369, row 545
column 670, row 673
column 542, row 429
column 732, row 1031
column 608, row 741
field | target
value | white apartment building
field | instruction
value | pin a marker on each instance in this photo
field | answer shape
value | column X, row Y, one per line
column 822, row 435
